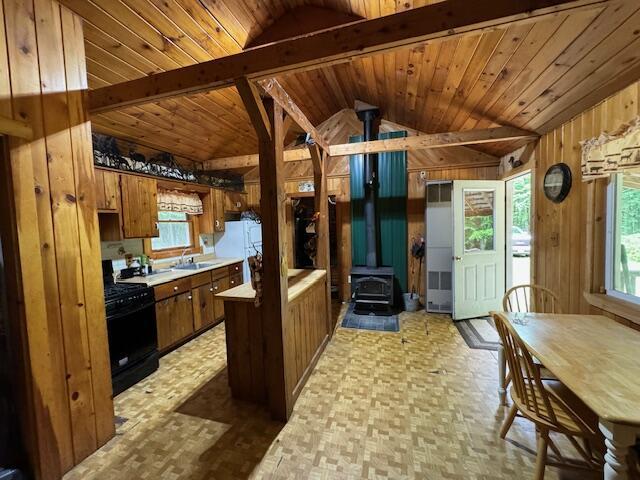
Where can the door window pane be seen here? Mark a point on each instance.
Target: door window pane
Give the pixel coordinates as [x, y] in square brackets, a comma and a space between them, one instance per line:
[626, 239]
[479, 224]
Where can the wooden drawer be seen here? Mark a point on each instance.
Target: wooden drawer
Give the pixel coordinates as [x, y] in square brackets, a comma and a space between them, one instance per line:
[200, 279]
[219, 273]
[235, 280]
[235, 268]
[176, 287]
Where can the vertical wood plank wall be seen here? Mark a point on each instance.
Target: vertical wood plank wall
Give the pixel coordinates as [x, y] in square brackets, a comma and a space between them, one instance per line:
[567, 260]
[306, 333]
[60, 304]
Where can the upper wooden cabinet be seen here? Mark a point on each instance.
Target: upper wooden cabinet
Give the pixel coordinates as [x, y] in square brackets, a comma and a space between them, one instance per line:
[235, 201]
[218, 209]
[253, 196]
[212, 218]
[139, 206]
[107, 191]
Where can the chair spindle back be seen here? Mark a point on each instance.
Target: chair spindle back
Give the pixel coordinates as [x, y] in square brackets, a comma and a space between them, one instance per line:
[531, 298]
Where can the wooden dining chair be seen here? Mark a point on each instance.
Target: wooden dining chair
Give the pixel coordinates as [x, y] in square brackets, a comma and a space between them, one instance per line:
[531, 298]
[525, 298]
[549, 405]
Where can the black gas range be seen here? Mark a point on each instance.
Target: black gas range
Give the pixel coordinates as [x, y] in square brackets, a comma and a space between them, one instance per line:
[131, 325]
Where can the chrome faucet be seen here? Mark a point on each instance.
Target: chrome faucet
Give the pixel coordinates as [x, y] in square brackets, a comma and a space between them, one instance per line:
[182, 256]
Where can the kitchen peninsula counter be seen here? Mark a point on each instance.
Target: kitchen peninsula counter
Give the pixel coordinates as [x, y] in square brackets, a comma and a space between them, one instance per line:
[300, 280]
[305, 332]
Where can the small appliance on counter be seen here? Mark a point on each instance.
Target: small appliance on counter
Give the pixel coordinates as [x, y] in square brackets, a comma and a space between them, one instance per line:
[131, 326]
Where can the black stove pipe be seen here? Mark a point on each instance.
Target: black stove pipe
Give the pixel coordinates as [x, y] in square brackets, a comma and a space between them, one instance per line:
[370, 119]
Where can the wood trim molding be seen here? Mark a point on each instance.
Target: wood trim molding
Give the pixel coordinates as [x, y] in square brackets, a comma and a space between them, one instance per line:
[627, 310]
[419, 25]
[15, 128]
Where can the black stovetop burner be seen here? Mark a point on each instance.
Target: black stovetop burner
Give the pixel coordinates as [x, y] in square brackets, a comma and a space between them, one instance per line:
[116, 290]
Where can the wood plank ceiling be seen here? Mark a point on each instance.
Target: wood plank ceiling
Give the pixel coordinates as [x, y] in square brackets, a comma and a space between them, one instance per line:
[531, 76]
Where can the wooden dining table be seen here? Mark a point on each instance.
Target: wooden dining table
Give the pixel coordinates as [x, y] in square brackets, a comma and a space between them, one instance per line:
[599, 360]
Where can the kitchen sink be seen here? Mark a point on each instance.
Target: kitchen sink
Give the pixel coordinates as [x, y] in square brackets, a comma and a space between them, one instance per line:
[159, 271]
[194, 266]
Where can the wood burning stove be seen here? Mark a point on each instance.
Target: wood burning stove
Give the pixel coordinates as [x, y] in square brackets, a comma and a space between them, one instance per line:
[372, 286]
[372, 290]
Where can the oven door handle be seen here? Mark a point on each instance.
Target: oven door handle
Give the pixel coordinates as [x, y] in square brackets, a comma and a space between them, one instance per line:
[130, 312]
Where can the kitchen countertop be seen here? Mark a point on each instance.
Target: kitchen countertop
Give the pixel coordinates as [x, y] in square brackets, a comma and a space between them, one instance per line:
[299, 281]
[160, 278]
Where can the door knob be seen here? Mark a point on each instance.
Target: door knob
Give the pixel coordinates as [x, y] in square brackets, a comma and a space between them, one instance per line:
[457, 258]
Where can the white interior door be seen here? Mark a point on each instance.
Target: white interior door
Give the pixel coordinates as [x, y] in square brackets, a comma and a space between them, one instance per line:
[478, 247]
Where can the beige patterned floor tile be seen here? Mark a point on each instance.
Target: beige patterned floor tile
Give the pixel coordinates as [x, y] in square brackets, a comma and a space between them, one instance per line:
[414, 405]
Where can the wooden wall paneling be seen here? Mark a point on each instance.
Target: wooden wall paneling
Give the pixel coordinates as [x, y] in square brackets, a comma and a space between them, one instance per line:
[580, 219]
[65, 227]
[52, 182]
[82, 154]
[55, 448]
[306, 335]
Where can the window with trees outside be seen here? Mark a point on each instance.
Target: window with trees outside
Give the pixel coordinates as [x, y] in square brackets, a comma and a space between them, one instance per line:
[623, 237]
[479, 220]
[176, 232]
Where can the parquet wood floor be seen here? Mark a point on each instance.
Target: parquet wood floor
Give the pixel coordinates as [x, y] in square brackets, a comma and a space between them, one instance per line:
[418, 404]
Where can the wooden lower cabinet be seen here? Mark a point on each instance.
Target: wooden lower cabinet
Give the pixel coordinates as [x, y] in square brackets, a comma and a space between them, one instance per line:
[188, 305]
[203, 306]
[174, 319]
[218, 305]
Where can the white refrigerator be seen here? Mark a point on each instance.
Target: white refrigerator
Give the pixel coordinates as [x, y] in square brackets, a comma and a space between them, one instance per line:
[240, 239]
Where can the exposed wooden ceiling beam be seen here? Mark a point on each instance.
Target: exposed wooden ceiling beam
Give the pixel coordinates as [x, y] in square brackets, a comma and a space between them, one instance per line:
[340, 44]
[246, 161]
[435, 140]
[415, 142]
[254, 107]
[15, 128]
[280, 95]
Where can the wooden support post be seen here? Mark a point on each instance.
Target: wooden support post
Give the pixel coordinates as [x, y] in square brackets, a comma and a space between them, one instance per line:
[323, 253]
[269, 128]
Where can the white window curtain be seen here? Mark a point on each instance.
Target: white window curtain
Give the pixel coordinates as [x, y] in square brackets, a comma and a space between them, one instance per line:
[612, 153]
[176, 201]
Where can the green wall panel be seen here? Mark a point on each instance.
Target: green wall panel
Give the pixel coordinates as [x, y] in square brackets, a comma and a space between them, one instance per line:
[392, 209]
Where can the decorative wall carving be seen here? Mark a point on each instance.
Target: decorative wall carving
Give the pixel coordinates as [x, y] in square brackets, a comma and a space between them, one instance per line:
[611, 153]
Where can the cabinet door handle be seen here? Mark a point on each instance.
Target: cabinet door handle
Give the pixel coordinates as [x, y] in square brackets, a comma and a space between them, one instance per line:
[175, 289]
[212, 289]
[189, 297]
